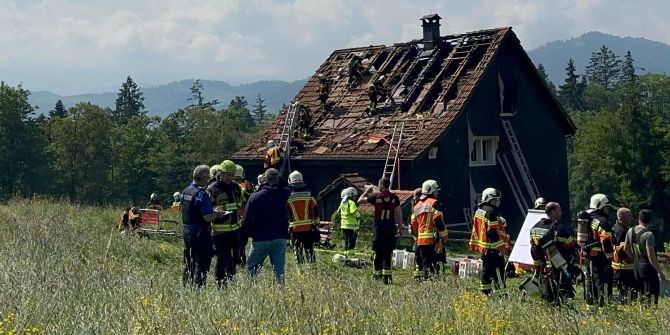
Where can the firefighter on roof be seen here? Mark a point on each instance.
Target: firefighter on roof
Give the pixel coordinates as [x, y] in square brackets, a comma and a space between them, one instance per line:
[429, 229]
[273, 156]
[490, 239]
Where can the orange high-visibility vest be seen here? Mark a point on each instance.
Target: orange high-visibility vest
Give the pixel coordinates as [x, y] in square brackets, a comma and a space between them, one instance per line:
[481, 225]
[301, 206]
[424, 215]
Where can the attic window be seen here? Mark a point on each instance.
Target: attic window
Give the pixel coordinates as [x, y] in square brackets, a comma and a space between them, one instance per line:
[483, 150]
[508, 94]
[432, 153]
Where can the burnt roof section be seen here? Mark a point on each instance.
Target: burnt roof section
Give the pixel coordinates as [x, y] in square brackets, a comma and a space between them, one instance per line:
[431, 88]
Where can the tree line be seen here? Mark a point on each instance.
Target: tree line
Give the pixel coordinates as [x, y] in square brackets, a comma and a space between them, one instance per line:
[98, 155]
[622, 144]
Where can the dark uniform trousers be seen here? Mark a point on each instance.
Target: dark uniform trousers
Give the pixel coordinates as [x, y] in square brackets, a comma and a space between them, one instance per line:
[493, 271]
[383, 243]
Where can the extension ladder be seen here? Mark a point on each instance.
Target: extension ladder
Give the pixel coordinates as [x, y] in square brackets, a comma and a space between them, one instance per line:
[391, 163]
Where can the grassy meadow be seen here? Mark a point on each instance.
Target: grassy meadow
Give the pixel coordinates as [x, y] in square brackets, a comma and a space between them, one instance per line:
[64, 269]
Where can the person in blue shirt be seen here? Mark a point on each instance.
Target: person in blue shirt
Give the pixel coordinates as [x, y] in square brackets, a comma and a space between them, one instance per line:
[197, 213]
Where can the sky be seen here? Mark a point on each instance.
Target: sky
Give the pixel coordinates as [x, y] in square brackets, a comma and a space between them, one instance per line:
[81, 46]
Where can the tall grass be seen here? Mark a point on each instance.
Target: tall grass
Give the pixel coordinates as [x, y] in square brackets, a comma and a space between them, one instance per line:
[65, 270]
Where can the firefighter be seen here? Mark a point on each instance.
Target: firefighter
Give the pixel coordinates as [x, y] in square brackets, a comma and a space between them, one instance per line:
[490, 239]
[349, 220]
[226, 196]
[601, 251]
[247, 187]
[324, 91]
[355, 67]
[260, 181]
[154, 203]
[428, 227]
[387, 224]
[176, 205]
[553, 249]
[273, 156]
[622, 264]
[304, 121]
[304, 217]
[377, 92]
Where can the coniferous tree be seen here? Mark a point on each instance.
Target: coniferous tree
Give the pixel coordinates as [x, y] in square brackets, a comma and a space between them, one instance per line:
[197, 98]
[604, 68]
[628, 69]
[570, 93]
[543, 74]
[129, 102]
[58, 111]
[260, 111]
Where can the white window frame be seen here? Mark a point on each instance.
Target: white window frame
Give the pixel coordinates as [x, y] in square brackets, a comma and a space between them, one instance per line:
[492, 149]
[432, 153]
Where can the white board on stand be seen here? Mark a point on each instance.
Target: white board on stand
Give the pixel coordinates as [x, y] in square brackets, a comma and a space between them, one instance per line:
[521, 250]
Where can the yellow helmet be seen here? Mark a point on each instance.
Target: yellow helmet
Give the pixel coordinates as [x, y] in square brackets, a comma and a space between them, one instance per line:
[228, 166]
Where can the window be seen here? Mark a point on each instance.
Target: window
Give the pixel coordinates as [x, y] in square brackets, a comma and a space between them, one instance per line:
[432, 153]
[483, 150]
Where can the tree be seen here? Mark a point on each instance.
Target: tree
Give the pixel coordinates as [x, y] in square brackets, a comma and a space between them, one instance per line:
[545, 78]
[628, 69]
[604, 68]
[197, 99]
[570, 94]
[260, 111]
[238, 102]
[58, 111]
[129, 102]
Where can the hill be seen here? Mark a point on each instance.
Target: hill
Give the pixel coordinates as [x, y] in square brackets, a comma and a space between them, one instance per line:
[648, 54]
[164, 99]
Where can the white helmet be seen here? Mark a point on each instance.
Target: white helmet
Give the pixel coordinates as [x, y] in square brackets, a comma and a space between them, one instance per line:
[295, 178]
[599, 201]
[271, 144]
[339, 258]
[176, 196]
[239, 171]
[540, 202]
[348, 192]
[153, 196]
[429, 187]
[260, 180]
[490, 194]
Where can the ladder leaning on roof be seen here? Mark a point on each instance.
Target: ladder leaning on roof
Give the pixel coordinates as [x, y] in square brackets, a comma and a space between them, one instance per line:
[391, 163]
[287, 134]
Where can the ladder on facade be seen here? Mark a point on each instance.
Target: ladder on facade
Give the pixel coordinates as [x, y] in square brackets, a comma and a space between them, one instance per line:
[508, 171]
[467, 213]
[287, 134]
[391, 163]
[521, 161]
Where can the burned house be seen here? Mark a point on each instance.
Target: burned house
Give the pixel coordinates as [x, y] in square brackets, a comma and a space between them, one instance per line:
[468, 110]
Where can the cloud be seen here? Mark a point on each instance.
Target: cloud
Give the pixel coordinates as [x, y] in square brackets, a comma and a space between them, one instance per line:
[71, 46]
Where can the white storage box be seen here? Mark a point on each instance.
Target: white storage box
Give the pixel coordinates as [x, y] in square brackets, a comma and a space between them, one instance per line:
[409, 261]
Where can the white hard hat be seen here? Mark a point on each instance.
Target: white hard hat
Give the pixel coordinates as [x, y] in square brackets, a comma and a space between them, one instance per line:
[599, 201]
[540, 202]
[429, 187]
[176, 196]
[349, 192]
[153, 195]
[260, 179]
[271, 143]
[239, 171]
[295, 178]
[490, 194]
[339, 258]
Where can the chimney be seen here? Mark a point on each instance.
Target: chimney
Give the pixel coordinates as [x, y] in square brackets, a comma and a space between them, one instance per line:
[431, 31]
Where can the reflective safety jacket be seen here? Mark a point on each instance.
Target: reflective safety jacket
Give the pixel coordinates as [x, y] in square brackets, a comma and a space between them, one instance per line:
[228, 198]
[349, 214]
[621, 260]
[272, 157]
[302, 210]
[602, 233]
[562, 237]
[427, 222]
[488, 231]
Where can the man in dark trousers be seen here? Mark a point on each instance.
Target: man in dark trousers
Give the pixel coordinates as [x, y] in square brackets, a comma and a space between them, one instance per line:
[196, 214]
[387, 224]
[266, 221]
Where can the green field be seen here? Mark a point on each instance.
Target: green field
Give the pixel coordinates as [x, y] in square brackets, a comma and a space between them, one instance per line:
[65, 269]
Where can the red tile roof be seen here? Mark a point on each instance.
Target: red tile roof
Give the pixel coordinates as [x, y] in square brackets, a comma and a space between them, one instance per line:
[431, 88]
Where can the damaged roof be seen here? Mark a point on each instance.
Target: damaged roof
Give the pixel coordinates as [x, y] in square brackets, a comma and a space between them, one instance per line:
[430, 88]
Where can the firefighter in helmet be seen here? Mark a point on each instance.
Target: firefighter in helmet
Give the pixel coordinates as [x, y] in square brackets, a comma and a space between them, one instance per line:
[304, 216]
[273, 156]
[600, 251]
[490, 239]
[429, 229]
[349, 220]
